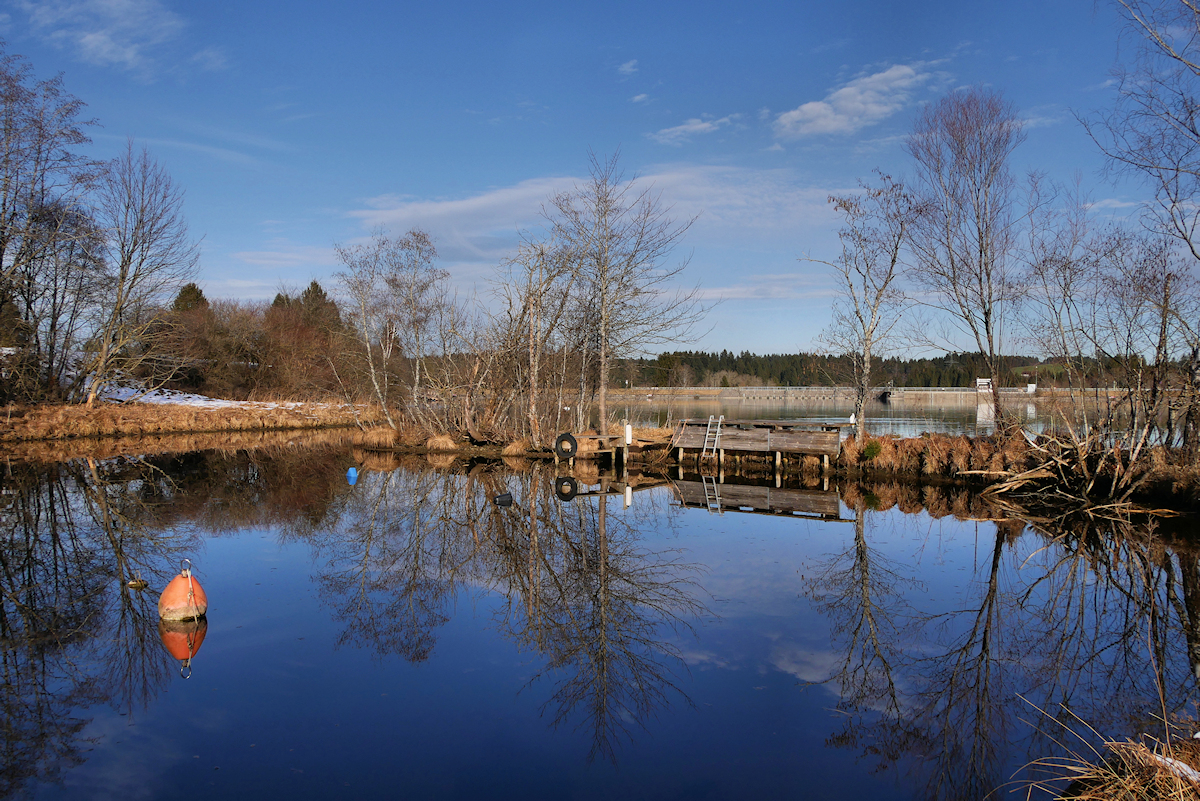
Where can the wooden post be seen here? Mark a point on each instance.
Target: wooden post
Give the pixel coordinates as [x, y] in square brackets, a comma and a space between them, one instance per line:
[679, 455]
[720, 458]
[825, 463]
[778, 460]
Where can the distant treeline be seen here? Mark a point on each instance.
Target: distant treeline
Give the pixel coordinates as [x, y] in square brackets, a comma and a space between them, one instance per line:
[701, 368]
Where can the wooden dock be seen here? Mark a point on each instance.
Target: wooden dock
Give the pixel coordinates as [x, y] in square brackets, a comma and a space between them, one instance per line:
[714, 436]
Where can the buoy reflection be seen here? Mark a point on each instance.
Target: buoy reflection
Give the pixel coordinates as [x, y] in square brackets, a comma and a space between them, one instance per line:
[182, 639]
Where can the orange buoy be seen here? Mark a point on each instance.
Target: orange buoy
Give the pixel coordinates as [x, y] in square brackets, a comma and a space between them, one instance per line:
[183, 598]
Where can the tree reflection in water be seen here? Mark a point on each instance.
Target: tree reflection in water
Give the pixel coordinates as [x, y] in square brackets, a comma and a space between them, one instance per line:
[72, 634]
[1085, 612]
[1084, 615]
[577, 585]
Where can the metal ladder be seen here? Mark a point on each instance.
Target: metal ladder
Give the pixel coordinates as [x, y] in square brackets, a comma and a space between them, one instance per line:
[712, 494]
[712, 436]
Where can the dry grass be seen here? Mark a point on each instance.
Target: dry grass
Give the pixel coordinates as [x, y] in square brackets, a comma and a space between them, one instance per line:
[960, 455]
[653, 435]
[851, 452]
[24, 424]
[937, 455]
[441, 443]
[377, 437]
[982, 451]
[1133, 771]
[909, 453]
[518, 448]
[889, 457]
[150, 444]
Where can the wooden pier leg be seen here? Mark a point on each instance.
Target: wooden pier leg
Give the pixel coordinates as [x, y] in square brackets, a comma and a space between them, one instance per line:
[720, 459]
[825, 463]
[778, 461]
[679, 455]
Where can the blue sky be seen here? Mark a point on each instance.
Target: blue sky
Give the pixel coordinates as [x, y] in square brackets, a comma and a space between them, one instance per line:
[292, 126]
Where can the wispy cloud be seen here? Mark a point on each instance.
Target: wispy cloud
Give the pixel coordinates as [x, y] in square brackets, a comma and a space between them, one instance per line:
[864, 101]
[1114, 203]
[1044, 116]
[219, 153]
[629, 67]
[679, 134]
[287, 256]
[741, 213]
[639, 98]
[211, 59]
[116, 33]
[771, 286]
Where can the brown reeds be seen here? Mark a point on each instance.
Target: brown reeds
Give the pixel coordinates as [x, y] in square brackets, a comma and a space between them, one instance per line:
[851, 452]
[377, 437]
[518, 448]
[440, 443]
[1133, 771]
[140, 419]
[960, 455]
[150, 444]
[909, 453]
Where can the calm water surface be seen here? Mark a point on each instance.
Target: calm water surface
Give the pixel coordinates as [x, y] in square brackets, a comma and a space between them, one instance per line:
[407, 637]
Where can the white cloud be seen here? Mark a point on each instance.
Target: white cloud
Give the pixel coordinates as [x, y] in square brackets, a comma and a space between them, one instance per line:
[118, 33]
[639, 98]
[628, 68]
[861, 102]
[683, 133]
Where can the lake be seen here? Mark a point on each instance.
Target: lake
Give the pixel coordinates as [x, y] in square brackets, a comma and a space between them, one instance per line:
[951, 417]
[407, 636]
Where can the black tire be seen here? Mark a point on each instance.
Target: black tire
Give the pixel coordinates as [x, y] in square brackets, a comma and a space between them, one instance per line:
[565, 487]
[566, 446]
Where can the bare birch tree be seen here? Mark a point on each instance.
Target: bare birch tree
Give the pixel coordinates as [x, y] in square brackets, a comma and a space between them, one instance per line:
[964, 239]
[148, 254]
[869, 302]
[620, 236]
[400, 311]
[535, 291]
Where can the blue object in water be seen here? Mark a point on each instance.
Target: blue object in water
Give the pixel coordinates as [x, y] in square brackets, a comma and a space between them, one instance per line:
[352, 476]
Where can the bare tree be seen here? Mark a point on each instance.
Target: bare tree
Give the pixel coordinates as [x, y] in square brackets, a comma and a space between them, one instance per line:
[869, 302]
[964, 239]
[620, 236]
[1152, 129]
[149, 255]
[403, 315]
[535, 290]
[39, 129]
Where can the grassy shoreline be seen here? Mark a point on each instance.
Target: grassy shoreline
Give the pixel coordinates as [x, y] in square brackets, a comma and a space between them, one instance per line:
[54, 433]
